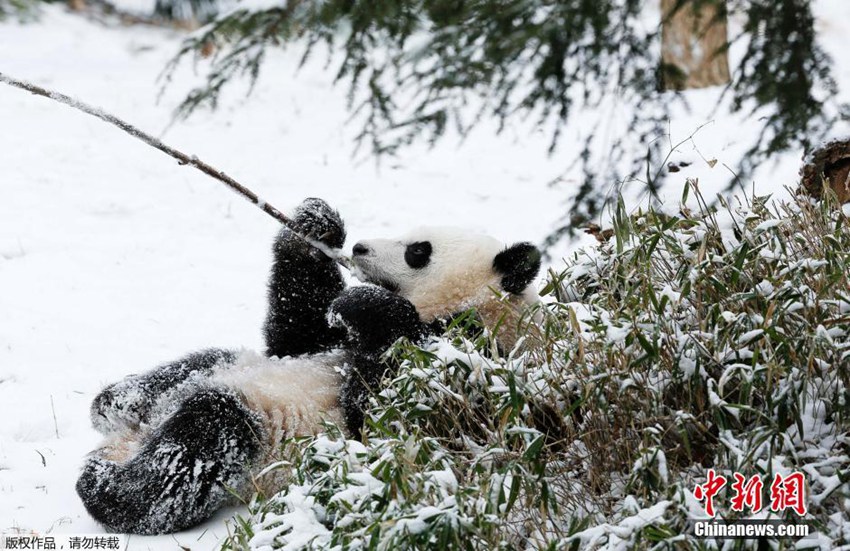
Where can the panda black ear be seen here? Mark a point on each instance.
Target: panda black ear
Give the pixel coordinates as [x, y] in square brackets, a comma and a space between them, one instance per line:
[519, 265]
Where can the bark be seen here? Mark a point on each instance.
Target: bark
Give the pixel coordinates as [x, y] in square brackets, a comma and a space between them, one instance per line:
[828, 167]
[693, 44]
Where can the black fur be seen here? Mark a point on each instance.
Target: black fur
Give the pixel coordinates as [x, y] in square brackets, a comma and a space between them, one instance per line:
[183, 469]
[374, 318]
[316, 220]
[128, 403]
[303, 283]
[519, 265]
[362, 379]
[418, 255]
[359, 249]
[179, 476]
[183, 472]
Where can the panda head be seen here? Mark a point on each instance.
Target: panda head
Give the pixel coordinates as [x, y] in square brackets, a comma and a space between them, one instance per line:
[444, 271]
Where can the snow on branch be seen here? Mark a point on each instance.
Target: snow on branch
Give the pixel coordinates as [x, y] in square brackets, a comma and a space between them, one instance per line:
[181, 157]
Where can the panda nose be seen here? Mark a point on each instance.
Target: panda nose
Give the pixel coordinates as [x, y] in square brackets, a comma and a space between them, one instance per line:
[359, 249]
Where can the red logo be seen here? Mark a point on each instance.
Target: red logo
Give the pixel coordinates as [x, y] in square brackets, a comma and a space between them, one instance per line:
[748, 494]
[786, 492]
[707, 491]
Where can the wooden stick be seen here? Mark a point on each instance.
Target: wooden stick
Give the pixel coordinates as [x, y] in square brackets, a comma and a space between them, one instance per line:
[181, 157]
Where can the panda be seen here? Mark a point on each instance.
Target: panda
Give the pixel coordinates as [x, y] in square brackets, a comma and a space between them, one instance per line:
[185, 438]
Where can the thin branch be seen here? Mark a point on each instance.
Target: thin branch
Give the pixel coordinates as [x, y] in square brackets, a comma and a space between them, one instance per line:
[55, 423]
[181, 157]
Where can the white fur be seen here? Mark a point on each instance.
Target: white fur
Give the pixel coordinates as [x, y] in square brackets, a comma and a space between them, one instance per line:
[459, 276]
[293, 395]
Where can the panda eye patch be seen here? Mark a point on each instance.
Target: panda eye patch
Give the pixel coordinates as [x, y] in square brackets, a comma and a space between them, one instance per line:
[417, 255]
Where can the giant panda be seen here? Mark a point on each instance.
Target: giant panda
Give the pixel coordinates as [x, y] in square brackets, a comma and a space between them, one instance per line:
[184, 438]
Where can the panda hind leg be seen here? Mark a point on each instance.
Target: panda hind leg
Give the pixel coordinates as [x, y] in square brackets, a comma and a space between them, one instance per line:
[182, 473]
[128, 403]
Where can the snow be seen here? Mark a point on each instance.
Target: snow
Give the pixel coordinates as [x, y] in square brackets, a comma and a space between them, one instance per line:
[301, 523]
[764, 288]
[113, 258]
[768, 224]
[362, 484]
[750, 336]
[618, 536]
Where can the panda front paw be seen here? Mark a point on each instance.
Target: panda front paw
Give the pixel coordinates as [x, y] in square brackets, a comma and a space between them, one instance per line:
[316, 220]
[121, 405]
[375, 318]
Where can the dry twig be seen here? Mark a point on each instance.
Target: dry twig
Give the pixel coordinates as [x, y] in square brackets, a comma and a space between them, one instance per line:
[181, 157]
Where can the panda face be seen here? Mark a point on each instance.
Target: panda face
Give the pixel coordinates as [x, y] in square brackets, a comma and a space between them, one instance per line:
[440, 270]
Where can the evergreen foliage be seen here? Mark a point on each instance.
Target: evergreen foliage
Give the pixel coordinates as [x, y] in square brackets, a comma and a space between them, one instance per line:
[784, 77]
[187, 10]
[713, 339]
[24, 10]
[413, 67]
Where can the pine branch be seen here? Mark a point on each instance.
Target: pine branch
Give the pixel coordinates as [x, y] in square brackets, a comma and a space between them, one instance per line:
[181, 157]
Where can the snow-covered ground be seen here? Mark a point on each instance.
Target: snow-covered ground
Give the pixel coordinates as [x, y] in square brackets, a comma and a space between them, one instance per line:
[113, 258]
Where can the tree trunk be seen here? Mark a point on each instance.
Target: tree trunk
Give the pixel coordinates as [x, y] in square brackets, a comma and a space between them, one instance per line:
[828, 167]
[693, 44]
